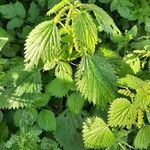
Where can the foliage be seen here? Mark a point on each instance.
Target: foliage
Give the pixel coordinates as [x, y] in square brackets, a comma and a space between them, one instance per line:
[96, 134]
[74, 74]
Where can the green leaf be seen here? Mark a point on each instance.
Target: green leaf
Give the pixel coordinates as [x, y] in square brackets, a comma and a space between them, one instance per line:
[20, 88]
[131, 82]
[140, 44]
[126, 92]
[58, 87]
[114, 5]
[96, 80]
[96, 134]
[66, 133]
[24, 138]
[43, 42]
[142, 98]
[63, 71]
[134, 62]
[25, 117]
[10, 50]
[122, 6]
[46, 120]
[122, 113]
[119, 65]
[132, 32]
[124, 11]
[43, 100]
[105, 21]
[15, 23]
[75, 103]
[84, 32]
[8, 11]
[142, 139]
[21, 12]
[33, 12]
[26, 30]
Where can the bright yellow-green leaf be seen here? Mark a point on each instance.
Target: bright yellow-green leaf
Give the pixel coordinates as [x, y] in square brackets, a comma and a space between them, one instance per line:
[96, 134]
[43, 42]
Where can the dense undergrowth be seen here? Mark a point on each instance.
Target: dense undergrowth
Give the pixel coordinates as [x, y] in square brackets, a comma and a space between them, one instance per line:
[74, 75]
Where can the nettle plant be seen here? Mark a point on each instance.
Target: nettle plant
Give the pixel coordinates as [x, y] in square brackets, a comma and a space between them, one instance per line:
[71, 35]
[67, 45]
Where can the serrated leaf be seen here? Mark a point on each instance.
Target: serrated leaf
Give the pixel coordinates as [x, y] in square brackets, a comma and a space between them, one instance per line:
[142, 139]
[119, 65]
[58, 87]
[126, 92]
[96, 134]
[25, 117]
[75, 103]
[96, 80]
[84, 32]
[47, 120]
[20, 88]
[122, 113]
[66, 133]
[27, 139]
[131, 82]
[43, 42]
[105, 21]
[63, 71]
[142, 98]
